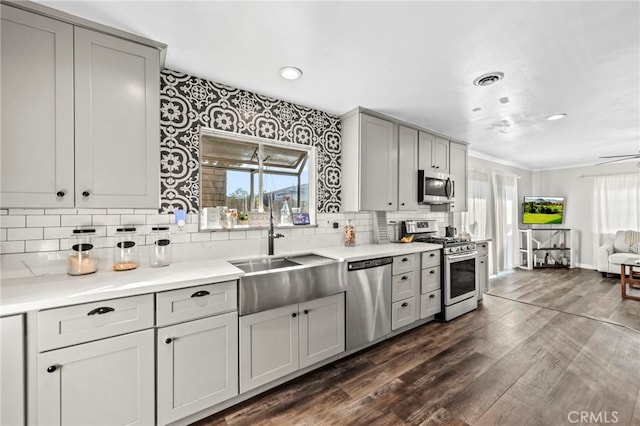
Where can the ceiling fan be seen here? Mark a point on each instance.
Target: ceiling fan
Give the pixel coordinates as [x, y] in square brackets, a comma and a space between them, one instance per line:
[615, 158]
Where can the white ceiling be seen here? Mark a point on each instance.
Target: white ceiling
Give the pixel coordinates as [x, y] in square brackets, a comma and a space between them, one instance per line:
[416, 61]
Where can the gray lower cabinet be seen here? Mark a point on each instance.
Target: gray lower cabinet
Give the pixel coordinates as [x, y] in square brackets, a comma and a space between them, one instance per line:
[95, 99]
[106, 382]
[280, 341]
[430, 286]
[405, 288]
[482, 268]
[197, 365]
[12, 371]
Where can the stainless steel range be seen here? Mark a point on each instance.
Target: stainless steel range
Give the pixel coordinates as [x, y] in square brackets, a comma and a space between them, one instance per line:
[459, 276]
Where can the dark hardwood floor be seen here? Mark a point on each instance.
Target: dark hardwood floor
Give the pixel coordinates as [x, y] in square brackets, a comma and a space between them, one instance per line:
[540, 359]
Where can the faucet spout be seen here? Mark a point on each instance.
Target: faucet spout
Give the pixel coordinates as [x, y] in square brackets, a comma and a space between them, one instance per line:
[272, 235]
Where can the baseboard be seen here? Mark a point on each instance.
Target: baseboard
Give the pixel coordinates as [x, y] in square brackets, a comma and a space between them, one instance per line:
[585, 266]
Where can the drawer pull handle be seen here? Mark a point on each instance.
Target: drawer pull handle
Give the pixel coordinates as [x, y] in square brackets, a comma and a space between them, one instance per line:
[60, 194]
[200, 293]
[404, 305]
[52, 368]
[405, 259]
[431, 296]
[432, 255]
[404, 277]
[101, 310]
[295, 314]
[168, 340]
[85, 194]
[306, 312]
[432, 271]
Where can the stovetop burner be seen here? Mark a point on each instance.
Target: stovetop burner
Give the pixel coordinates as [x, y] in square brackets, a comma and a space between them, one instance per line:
[451, 245]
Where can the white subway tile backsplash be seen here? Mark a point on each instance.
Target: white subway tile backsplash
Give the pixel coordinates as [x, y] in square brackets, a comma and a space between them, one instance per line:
[43, 220]
[220, 236]
[106, 219]
[92, 211]
[132, 219]
[12, 247]
[14, 234]
[13, 212]
[237, 235]
[197, 237]
[4, 212]
[58, 232]
[181, 238]
[119, 211]
[3, 234]
[42, 245]
[61, 211]
[77, 220]
[158, 219]
[254, 233]
[18, 221]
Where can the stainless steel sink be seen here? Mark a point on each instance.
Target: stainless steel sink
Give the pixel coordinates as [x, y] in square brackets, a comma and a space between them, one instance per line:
[273, 282]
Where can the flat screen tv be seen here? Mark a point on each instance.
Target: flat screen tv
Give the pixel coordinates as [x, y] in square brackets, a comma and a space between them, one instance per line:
[543, 210]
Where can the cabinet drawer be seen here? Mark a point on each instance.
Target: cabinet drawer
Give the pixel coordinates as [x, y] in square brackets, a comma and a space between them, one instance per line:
[430, 258]
[402, 264]
[196, 302]
[430, 280]
[403, 313]
[483, 248]
[91, 321]
[403, 286]
[430, 304]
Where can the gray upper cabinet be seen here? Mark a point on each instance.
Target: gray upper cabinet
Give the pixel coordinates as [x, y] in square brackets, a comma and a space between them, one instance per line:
[117, 88]
[407, 168]
[370, 163]
[107, 153]
[433, 153]
[37, 111]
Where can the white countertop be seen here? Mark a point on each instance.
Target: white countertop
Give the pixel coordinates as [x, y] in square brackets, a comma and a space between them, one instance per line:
[18, 295]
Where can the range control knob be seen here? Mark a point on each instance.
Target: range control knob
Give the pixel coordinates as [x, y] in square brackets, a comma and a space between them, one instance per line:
[454, 249]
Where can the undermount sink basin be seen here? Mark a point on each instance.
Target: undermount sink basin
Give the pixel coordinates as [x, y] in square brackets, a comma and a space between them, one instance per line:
[273, 282]
[265, 264]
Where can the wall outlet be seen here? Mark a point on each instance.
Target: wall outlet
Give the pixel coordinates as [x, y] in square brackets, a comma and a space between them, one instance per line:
[335, 225]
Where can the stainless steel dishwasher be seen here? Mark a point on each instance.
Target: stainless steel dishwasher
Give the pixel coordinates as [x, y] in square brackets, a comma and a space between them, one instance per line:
[368, 301]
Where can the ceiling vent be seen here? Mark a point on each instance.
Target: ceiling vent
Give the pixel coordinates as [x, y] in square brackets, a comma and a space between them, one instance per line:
[488, 78]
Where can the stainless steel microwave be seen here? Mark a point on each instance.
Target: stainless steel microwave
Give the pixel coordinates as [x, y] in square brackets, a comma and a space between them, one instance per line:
[435, 188]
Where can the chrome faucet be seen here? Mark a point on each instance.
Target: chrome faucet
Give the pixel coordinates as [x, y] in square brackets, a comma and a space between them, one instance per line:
[272, 235]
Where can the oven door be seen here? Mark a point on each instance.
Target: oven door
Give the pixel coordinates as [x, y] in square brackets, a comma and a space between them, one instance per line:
[460, 277]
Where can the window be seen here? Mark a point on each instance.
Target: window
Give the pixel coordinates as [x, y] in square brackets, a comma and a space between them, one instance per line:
[240, 174]
[616, 204]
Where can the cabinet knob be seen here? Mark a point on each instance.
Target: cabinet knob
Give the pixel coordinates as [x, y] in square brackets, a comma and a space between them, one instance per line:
[405, 259]
[200, 293]
[404, 277]
[432, 271]
[431, 296]
[402, 204]
[168, 340]
[432, 255]
[306, 312]
[60, 194]
[85, 194]
[404, 305]
[295, 314]
[390, 204]
[52, 368]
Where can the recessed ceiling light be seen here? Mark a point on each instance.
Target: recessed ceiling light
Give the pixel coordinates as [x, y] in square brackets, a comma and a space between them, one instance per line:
[290, 73]
[488, 78]
[556, 116]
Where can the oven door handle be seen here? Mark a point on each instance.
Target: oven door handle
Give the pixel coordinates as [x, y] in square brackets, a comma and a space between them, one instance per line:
[465, 256]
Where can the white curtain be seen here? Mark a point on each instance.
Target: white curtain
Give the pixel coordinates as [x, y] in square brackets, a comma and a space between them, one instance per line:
[505, 221]
[616, 205]
[475, 220]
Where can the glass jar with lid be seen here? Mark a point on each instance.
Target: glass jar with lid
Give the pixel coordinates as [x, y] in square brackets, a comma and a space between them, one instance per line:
[125, 255]
[82, 259]
[161, 246]
[349, 234]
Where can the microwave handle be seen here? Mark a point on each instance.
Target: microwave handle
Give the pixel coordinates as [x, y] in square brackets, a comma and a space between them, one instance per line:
[449, 188]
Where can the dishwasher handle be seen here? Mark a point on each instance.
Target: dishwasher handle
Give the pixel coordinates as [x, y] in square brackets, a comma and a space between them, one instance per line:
[369, 263]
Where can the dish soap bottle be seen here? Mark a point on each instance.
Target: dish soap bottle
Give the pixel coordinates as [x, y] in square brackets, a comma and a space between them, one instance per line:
[285, 213]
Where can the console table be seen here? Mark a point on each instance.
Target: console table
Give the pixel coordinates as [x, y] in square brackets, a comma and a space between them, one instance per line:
[629, 277]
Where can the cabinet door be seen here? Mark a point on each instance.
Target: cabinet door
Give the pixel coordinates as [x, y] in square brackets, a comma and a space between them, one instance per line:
[403, 313]
[12, 371]
[107, 382]
[37, 111]
[321, 329]
[378, 164]
[407, 168]
[268, 346]
[430, 303]
[117, 90]
[458, 153]
[405, 285]
[197, 365]
[440, 153]
[482, 268]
